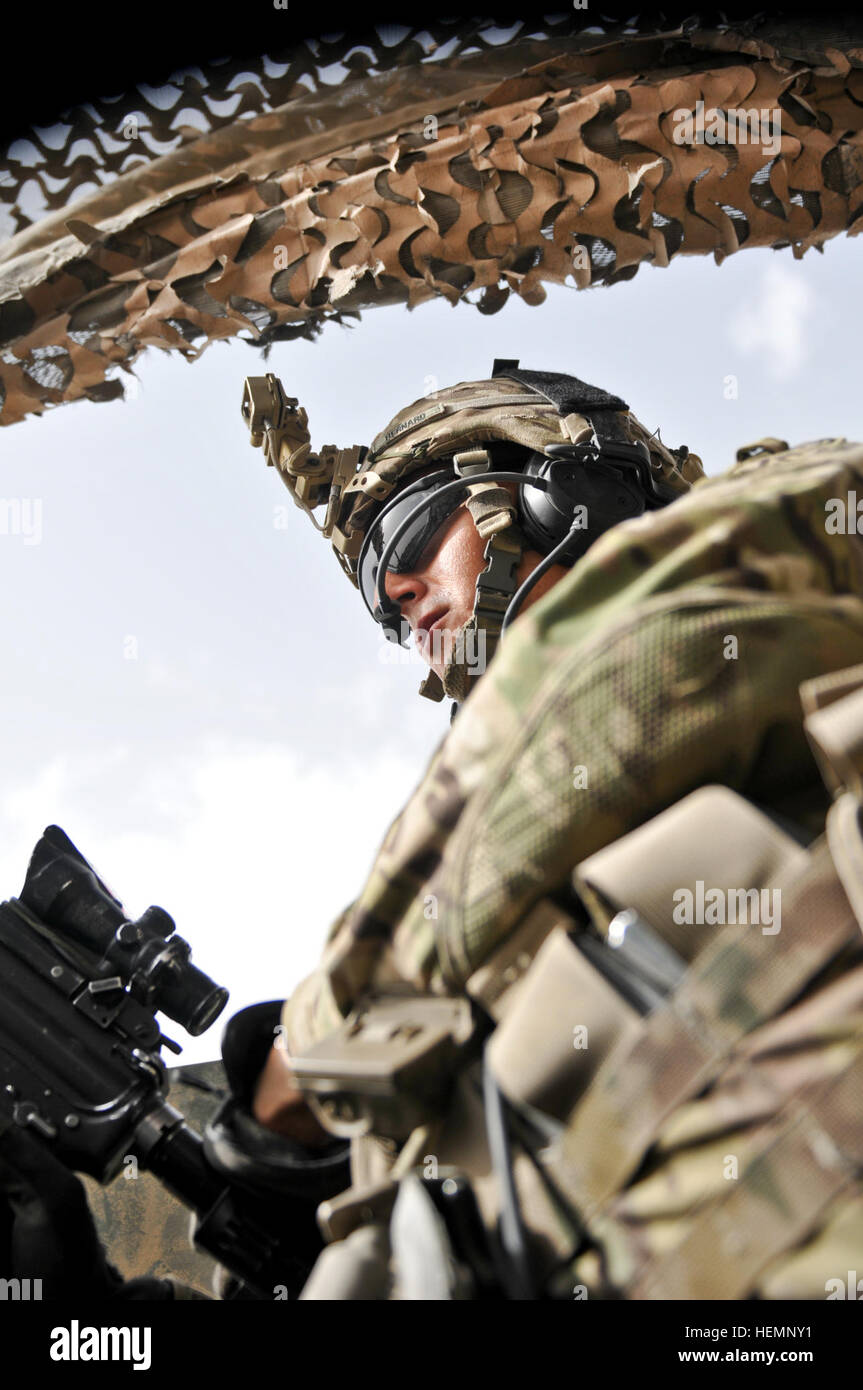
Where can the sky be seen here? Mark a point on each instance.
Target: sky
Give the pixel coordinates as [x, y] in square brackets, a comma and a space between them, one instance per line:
[193, 690]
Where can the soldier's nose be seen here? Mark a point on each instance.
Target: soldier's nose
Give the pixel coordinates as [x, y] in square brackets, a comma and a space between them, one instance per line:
[402, 588]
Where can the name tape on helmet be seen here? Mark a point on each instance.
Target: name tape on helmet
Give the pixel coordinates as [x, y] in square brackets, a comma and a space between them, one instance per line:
[382, 440]
[473, 403]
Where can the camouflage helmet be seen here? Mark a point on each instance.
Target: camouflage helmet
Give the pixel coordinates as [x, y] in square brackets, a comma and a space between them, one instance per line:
[527, 414]
[473, 413]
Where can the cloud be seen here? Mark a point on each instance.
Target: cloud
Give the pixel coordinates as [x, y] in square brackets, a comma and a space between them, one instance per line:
[775, 324]
[250, 847]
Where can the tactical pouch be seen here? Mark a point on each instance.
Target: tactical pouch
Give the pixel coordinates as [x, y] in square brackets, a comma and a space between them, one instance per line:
[742, 976]
[739, 974]
[570, 1003]
[712, 838]
[561, 1014]
[564, 1020]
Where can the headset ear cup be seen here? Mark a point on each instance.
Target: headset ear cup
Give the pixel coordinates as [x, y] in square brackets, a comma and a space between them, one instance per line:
[542, 523]
[547, 516]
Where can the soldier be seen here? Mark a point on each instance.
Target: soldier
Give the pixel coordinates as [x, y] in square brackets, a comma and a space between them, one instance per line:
[651, 1079]
[593, 1023]
[477, 554]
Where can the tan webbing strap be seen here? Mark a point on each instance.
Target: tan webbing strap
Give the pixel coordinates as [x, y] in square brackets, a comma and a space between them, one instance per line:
[776, 1202]
[834, 727]
[503, 550]
[736, 982]
[769, 445]
[432, 687]
[821, 691]
[493, 511]
[491, 507]
[846, 848]
[833, 706]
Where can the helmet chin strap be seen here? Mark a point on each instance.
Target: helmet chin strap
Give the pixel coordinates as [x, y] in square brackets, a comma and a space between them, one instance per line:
[475, 642]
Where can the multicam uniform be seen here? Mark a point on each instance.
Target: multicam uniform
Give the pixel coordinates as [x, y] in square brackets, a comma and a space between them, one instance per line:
[641, 725]
[669, 659]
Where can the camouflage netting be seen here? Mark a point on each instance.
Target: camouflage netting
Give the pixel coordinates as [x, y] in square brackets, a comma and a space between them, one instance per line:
[443, 163]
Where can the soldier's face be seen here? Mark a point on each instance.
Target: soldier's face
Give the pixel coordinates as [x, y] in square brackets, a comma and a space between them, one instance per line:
[438, 596]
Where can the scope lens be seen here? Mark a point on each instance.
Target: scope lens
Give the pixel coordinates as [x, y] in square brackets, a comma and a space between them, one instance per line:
[208, 1011]
[189, 997]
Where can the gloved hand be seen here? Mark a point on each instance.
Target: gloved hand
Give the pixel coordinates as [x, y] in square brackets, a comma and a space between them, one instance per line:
[261, 1077]
[47, 1231]
[276, 1162]
[246, 1042]
[294, 1178]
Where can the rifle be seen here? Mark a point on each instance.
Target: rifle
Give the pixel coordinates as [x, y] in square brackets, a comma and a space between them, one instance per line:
[81, 1063]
